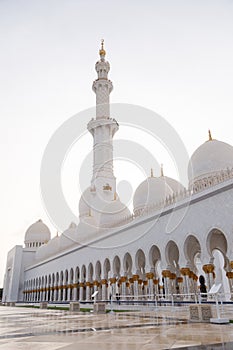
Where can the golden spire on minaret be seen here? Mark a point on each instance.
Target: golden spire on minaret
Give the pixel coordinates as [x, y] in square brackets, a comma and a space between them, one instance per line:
[161, 170]
[102, 52]
[210, 136]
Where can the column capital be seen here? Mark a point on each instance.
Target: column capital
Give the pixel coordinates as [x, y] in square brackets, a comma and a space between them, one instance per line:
[135, 277]
[180, 279]
[185, 271]
[172, 276]
[113, 280]
[123, 279]
[229, 274]
[104, 281]
[149, 275]
[166, 273]
[208, 268]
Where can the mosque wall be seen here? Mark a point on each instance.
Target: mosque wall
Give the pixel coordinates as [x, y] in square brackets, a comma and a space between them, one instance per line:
[134, 251]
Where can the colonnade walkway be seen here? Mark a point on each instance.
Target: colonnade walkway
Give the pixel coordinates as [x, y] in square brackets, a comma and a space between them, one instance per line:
[165, 327]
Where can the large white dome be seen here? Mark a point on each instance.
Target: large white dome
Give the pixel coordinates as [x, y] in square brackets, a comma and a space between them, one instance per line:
[150, 192]
[114, 213]
[209, 159]
[37, 234]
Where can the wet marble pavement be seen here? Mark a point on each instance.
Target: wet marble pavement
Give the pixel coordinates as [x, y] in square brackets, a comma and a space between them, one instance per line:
[25, 328]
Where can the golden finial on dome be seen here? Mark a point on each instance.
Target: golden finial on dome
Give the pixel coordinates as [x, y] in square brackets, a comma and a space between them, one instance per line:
[151, 173]
[210, 136]
[161, 170]
[102, 52]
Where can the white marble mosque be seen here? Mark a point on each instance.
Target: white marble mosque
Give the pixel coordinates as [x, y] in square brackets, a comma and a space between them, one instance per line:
[112, 250]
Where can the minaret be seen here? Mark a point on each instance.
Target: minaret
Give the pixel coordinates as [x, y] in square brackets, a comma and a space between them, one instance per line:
[103, 129]
[102, 86]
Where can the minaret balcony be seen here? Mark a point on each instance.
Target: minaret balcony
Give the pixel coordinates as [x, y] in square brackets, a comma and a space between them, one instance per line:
[96, 123]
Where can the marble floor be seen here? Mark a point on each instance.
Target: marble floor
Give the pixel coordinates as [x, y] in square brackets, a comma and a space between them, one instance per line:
[163, 328]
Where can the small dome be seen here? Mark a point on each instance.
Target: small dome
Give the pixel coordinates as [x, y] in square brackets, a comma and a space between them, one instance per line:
[150, 192]
[209, 159]
[67, 238]
[49, 249]
[85, 230]
[114, 213]
[37, 234]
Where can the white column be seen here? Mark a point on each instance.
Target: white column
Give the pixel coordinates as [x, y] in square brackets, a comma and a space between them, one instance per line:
[135, 286]
[59, 292]
[68, 293]
[81, 286]
[209, 271]
[75, 291]
[123, 286]
[166, 274]
[150, 277]
[113, 286]
[104, 284]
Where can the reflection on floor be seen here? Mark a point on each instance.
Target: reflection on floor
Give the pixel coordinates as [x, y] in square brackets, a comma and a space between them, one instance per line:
[163, 328]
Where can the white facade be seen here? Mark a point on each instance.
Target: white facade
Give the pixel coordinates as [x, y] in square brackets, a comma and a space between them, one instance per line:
[170, 239]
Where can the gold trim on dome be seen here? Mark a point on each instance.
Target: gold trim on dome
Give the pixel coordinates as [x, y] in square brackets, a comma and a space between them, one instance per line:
[102, 52]
[161, 170]
[107, 187]
[210, 136]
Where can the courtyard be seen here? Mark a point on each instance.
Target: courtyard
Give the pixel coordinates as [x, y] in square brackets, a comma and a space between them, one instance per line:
[162, 328]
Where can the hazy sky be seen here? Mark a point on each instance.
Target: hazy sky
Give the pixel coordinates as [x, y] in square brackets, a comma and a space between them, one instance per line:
[174, 57]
